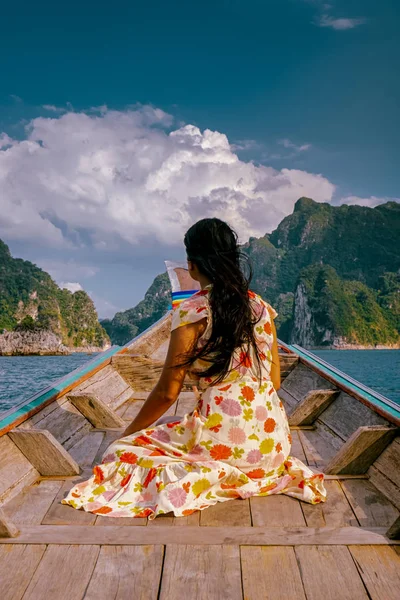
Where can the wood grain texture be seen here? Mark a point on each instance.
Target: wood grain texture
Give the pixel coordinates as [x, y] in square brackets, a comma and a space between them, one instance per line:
[17, 566]
[103, 521]
[227, 514]
[7, 528]
[347, 414]
[63, 573]
[276, 510]
[380, 571]
[62, 514]
[329, 573]
[85, 450]
[253, 536]
[201, 572]
[297, 449]
[95, 411]
[334, 512]
[385, 485]
[388, 463]
[64, 423]
[14, 467]
[393, 532]
[370, 506]
[107, 385]
[361, 449]
[314, 403]
[45, 453]
[320, 445]
[124, 572]
[271, 573]
[32, 504]
[303, 380]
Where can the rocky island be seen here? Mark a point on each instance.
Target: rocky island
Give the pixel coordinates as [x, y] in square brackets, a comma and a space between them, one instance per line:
[37, 317]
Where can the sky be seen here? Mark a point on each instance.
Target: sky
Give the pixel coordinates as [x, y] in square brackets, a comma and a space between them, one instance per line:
[123, 124]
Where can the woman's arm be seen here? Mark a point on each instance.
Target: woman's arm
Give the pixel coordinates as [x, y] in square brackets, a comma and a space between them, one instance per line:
[167, 390]
[275, 366]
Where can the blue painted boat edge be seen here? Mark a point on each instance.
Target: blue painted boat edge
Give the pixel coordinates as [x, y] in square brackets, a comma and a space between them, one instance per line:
[34, 402]
[17, 413]
[374, 399]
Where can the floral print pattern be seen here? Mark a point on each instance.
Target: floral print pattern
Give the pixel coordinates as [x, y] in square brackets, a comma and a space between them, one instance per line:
[235, 444]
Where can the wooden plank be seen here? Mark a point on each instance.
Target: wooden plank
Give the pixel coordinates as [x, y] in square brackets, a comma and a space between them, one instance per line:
[370, 506]
[394, 530]
[85, 451]
[361, 449]
[166, 520]
[63, 423]
[201, 572]
[320, 445]
[260, 566]
[347, 414]
[297, 449]
[17, 566]
[62, 514]
[7, 527]
[31, 505]
[380, 571]
[95, 411]
[63, 573]
[44, 452]
[192, 520]
[314, 403]
[132, 409]
[329, 573]
[289, 401]
[334, 512]
[124, 572]
[388, 462]
[385, 485]
[276, 510]
[303, 380]
[108, 386]
[14, 467]
[253, 536]
[109, 438]
[234, 513]
[103, 521]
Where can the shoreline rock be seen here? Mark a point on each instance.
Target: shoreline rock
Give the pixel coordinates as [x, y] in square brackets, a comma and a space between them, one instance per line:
[40, 343]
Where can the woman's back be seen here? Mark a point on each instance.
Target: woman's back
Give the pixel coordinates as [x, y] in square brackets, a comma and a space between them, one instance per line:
[243, 361]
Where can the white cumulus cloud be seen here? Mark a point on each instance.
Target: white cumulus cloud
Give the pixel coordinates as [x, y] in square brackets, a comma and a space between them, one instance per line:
[91, 179]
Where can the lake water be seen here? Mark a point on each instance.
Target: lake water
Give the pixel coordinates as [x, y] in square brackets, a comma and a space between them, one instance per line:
[23, 376]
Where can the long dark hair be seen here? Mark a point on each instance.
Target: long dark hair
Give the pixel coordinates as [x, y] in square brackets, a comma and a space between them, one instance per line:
[213, 246]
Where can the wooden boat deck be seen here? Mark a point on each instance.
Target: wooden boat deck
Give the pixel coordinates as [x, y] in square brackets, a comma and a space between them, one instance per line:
[269, 547]
[273, 547]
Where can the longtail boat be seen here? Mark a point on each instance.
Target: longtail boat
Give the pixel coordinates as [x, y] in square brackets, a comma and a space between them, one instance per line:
[263, 547]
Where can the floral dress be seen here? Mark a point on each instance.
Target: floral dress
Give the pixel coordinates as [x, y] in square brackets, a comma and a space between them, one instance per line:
[235, 444]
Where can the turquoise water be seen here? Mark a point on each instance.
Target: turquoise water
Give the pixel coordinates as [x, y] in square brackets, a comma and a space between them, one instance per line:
[23, 376]
[378, 369]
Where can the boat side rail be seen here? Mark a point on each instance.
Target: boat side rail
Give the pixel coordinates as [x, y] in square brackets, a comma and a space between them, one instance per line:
[384, 406]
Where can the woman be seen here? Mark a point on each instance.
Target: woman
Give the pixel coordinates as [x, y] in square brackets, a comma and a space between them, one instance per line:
[236, 443]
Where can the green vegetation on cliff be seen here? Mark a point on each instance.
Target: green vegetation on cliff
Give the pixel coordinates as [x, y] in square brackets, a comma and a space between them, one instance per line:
[341, 263]
[126, 325]
[30, 299]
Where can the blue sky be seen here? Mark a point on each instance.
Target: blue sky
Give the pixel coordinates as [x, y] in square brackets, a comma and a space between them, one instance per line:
[301, 86]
